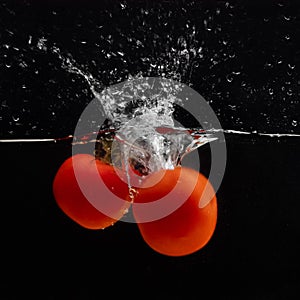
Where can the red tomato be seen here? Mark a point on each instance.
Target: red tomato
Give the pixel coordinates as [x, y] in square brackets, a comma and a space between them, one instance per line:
[80, 204]
[186, 229]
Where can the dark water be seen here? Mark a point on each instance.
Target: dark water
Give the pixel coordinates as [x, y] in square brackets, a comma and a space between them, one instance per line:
[243, 57]
[254, 253]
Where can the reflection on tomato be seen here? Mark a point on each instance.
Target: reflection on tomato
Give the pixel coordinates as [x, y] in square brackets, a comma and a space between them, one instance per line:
[188, 228]
[72, 201]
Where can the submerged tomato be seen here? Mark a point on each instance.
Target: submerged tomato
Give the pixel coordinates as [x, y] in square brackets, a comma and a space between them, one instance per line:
[185, 229]
[175, 226]
[72, 200]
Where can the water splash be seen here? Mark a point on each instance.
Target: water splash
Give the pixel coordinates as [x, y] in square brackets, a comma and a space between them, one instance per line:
[139, 99]
[136, 98]
[70, 65]
[194, 133]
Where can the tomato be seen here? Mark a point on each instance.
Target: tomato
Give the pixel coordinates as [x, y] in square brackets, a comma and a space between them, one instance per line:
[85, 198]
[186, 229]
[175, 225]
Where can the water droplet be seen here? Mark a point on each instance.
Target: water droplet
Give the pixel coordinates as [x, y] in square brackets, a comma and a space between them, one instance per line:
[10, 32]
[271, 91]
[287, 37]
[206, 25]
[229, 77]
[16, 119]
[23, 64]
[294, 123]
[287, 18]
[289, 92]
[182, 42]
[291, 66]
[41, 44]
[268, 65]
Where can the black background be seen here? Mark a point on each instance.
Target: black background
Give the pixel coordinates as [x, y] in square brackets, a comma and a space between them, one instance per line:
[254, 253]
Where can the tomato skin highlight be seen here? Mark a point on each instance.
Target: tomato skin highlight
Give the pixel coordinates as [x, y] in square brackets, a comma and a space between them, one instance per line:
[188, 228]
[73, 202]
